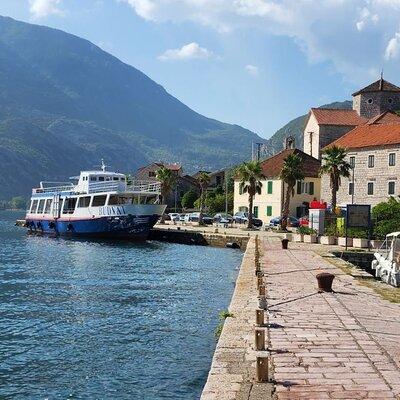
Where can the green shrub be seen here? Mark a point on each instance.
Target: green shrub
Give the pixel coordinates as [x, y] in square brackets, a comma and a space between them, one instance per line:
[386, 217]
[305, 230]
[188, 199]
[223, 315]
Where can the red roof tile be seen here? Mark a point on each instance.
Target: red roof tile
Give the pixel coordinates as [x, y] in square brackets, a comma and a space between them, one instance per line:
[370, 136]
[388, 117]
[272, 166]
[328, 116]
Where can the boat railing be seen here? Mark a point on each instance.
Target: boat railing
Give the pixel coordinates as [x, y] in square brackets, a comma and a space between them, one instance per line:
[51, 187]
[145, 187]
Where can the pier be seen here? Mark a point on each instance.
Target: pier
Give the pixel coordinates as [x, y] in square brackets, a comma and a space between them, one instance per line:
[338, 345]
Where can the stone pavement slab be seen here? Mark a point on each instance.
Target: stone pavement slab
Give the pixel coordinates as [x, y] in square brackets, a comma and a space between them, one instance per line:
[341, 345]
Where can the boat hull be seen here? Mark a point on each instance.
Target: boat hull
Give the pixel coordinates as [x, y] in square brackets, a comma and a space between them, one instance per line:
[112, 227]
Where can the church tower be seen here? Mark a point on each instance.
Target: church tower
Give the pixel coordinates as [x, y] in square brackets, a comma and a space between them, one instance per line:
[376, 98]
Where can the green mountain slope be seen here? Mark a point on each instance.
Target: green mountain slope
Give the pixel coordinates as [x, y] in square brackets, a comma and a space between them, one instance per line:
[65, 103]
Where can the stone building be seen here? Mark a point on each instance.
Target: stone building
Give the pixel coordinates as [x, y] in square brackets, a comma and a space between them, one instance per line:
[269, 203]
[323, 126]
[373, 149]
[183, 184]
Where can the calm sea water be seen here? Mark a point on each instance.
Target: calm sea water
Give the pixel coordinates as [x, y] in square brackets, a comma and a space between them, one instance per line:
[107, 320]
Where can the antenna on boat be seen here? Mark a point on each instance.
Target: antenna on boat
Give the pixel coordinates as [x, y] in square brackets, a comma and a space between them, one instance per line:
[103, 166]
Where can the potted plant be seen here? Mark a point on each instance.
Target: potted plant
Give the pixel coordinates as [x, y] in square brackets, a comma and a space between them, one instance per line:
[309, 235]
[330, 235]
[298, 236]
[359, 236]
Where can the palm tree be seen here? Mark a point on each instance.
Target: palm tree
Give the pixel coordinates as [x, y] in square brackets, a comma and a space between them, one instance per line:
[250, 175]
[167, 180]
[335, 165]
[203, 181]
[292, 171]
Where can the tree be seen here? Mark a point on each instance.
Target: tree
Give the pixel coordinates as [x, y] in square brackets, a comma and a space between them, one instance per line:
[386, 217]
[335, 165]
[250, 176]
[167, 179]
[189, 198]
[292, 171]
[18, 203]
[203, 180]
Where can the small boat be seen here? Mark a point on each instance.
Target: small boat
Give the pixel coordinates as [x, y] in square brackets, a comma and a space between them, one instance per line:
[99, 204]
[387, 260]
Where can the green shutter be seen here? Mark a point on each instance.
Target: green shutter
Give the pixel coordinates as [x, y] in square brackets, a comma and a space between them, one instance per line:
[255, 211]
[269, 211]
[311, 188]
[298, 187]
[269, 187]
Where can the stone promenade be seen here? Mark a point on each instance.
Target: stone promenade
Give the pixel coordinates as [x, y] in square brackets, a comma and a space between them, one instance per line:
[341, 345]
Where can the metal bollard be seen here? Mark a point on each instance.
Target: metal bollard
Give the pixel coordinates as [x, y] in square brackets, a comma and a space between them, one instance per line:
[259, 317]
[262, 369]
[261, 290]
[260, 339]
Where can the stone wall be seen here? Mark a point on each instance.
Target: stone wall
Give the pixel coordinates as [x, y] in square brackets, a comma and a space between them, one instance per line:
[369, 105]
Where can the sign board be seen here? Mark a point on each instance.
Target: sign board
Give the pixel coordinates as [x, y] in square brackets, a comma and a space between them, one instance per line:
[358, 216]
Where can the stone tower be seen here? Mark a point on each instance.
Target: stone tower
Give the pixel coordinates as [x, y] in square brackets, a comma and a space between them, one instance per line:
[376, 98]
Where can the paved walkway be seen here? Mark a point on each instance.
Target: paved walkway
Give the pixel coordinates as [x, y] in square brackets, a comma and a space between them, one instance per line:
[342, 345]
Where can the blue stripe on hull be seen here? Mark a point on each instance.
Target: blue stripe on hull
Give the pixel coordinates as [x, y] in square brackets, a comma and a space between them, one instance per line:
[107, 227]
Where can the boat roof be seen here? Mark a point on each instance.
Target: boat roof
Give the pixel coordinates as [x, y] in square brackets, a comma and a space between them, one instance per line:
[394, 234]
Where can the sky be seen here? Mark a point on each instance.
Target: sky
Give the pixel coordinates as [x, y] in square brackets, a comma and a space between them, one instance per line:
[255, 63]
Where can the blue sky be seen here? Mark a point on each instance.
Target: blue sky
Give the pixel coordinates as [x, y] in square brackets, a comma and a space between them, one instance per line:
[255, 63]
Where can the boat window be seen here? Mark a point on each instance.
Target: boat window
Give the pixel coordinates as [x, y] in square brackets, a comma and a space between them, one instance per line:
[123, 179]
[101, 178]
[41, 206]
[99, 201]
[115, 178]
[93, 178]
[34, 206]
[84, 202]
[48, 206]
[119, 200]
[69, 205]
[108, 178]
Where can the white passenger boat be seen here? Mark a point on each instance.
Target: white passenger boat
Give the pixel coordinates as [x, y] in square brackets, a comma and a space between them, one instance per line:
[99, 204]
[387, 260]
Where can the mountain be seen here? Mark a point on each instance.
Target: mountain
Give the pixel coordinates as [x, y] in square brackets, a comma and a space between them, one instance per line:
[296, 126]
[65, 104]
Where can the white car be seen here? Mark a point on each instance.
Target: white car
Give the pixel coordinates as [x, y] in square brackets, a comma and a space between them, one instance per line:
[174, 217]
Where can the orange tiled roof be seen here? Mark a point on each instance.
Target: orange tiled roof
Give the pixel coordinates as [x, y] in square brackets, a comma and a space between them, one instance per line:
[329, 116]
[370, 135]
[388, 117]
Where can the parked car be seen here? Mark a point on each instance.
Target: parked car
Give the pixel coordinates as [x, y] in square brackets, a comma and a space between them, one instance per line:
[277, 221]
[223, 218]
[192, 217]
[242, 217]
[174, 217]
[207, 219]
[182, 217]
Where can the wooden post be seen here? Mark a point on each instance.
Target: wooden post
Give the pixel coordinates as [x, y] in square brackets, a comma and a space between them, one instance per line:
[259, 317]
[260, 339]
[260, 282]
[262, 369]
[261, 290]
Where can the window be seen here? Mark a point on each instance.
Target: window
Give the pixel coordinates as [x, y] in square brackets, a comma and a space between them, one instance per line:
[351, 188]
[255, 211]
[123, 179]
[243, 209]
[99, 201]
[240, 189]
[391, 188]
[392, 159]
[93, 178]
[311, 188]
[305, 187]
[371, 161]
[152, 174]
[390, 100]
[370, 101]
[69, 205]
[352, 161]
[34, 206]
[115, 178]
[41, 206]
[101, 178]
[269, 187]
[84, 202]
[48, 206]
[370, 188]
[269, 211]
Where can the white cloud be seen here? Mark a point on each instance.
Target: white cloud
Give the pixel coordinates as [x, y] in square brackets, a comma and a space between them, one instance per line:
[43, 8]
[393, 47]
[251, 69]
[328, 30]
[186, 52]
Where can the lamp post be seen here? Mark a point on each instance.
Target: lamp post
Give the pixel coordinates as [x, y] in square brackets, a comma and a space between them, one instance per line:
[352, 182]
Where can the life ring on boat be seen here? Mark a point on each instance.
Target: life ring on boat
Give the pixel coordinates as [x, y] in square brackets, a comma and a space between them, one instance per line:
[70, 227]
[52, 225]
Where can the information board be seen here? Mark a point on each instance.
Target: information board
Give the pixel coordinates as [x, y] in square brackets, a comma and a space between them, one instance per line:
[358, 216]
